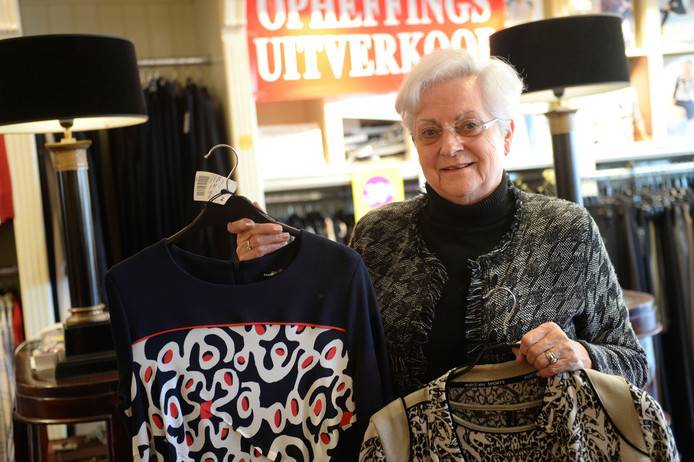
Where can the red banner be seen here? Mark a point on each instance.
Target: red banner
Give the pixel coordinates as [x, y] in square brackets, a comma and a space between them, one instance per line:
[315, 48]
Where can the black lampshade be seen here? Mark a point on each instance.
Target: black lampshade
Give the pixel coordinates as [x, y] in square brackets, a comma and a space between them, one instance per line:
[91, 79]
[582, 55]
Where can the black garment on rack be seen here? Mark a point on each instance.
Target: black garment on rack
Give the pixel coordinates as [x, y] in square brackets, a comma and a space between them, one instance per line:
[622, 228]
[679, 361]
[172, 124]
[202, 127]
[156, 163]
[107, 196]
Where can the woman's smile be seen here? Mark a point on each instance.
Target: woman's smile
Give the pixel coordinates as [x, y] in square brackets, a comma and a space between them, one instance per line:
[457, 167]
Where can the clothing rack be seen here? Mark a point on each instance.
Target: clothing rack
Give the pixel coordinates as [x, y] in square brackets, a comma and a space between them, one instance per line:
[182, 61]
[626, 173]
[646, 229]
[308, 196]
[8, 278]
[332, 193]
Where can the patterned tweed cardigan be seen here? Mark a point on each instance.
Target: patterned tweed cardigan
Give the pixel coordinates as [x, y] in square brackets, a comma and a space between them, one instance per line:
[553, 260]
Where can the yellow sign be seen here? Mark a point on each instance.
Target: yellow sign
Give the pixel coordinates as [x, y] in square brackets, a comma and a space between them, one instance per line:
[374, 187]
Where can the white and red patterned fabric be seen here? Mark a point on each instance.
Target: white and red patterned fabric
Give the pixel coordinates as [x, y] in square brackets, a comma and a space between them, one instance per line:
[287, 367]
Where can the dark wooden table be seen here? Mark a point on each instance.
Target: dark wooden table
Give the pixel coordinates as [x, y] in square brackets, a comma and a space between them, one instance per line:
[644, 321]
[41, 401]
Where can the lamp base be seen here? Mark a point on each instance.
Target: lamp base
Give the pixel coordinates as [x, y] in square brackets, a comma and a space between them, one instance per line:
[88, 337]
[88, 348]
[566, 172]
[87, 315]
[91, 363]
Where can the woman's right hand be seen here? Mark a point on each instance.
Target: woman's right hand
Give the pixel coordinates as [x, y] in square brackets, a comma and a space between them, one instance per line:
[253, 240]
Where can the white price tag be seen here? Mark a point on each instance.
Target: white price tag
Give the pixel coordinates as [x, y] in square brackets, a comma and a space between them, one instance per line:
[209, 184]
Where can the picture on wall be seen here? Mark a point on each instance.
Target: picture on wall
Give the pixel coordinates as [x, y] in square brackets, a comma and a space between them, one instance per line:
[679, 91]
[611, 119]
[622, 8]
[625, 10]
[677, 24]
[521, 11]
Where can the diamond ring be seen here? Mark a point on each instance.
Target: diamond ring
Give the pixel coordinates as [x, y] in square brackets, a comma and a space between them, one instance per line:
[551, 357]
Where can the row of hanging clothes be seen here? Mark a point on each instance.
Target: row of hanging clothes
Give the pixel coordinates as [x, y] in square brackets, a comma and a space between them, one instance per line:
[11, 318]
[11, 335]
[647, 225]
[145, 173]
[336, 226]
[142, 176]
[328, 212]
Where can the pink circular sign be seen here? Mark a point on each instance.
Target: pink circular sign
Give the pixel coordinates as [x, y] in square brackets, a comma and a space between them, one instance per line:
[378, 191]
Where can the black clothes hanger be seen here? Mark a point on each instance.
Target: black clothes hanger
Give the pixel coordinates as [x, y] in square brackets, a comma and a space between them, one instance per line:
[490, 344]
[235, 208]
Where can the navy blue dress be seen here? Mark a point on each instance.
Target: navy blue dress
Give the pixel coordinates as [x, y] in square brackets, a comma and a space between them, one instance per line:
[282, 357]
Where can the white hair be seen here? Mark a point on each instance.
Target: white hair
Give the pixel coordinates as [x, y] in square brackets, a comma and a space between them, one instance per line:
[500, 84]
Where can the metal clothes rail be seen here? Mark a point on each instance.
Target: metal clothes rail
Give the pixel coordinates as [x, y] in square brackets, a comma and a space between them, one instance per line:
[181, 61]
[626, 173]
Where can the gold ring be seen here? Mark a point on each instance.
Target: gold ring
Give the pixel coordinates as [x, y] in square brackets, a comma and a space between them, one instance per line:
[248, 244]
[551, 357]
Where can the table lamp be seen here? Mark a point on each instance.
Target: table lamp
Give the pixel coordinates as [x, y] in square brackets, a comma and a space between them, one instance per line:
[563, 58]
[60, 83]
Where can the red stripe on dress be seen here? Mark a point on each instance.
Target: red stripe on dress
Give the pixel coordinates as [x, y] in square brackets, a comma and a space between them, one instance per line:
[241, 324]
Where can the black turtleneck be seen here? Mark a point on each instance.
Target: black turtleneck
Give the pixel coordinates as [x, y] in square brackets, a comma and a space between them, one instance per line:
[455, 234]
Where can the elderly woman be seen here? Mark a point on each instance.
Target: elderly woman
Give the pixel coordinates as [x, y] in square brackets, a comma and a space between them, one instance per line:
[447, 265]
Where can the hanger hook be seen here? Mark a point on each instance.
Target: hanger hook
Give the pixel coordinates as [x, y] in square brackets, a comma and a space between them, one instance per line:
[496, 289]
[236, 156]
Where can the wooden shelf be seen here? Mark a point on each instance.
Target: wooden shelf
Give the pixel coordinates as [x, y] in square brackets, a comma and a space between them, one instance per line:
[684, 50]
[336, 176]
[644, 150]
[342, 176]
[9, 272]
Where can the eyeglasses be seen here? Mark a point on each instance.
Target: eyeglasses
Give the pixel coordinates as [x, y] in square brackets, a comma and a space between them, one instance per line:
[468, 128]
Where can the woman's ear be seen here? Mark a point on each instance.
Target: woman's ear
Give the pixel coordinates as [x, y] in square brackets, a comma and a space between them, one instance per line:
[508, 137]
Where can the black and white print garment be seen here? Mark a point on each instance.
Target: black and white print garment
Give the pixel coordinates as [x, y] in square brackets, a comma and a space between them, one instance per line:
[562, 420]
[213, 387]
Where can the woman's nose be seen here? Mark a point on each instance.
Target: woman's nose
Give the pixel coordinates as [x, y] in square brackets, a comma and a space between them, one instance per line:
[451, 142]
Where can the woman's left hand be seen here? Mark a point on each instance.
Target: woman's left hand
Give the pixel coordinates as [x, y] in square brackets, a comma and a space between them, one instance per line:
[548, 349]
